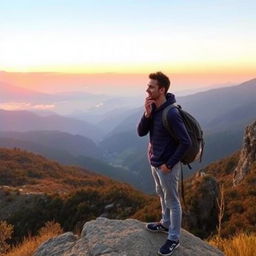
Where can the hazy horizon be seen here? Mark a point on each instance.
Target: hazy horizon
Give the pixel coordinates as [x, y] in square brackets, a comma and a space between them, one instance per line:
[108, 48]
[72, 100]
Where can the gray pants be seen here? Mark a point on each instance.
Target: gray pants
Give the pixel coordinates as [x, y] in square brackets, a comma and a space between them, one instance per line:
[167, 188]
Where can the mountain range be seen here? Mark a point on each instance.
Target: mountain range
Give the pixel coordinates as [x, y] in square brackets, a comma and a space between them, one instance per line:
[111, 141]
[67, 149]
[223, 114]
[210, 107]
[75, 145]
[28, 121]
[75, 104]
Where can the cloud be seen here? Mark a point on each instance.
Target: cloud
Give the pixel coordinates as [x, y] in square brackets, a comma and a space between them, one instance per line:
[25, 106]
[99, 105]
[44, 107]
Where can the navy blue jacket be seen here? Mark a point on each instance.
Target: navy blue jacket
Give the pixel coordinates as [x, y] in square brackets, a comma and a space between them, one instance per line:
[162, 148]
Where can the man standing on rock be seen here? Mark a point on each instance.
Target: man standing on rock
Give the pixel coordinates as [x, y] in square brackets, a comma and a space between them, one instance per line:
[164, 155]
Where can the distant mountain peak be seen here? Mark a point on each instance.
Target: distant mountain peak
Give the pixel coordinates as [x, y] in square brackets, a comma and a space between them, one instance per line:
[249, 82]
[9, 88]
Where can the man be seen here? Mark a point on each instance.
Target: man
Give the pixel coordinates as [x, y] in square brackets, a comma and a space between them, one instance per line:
[164, 155]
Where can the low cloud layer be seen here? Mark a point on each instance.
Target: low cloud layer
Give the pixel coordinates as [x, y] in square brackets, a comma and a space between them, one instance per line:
[25, 106]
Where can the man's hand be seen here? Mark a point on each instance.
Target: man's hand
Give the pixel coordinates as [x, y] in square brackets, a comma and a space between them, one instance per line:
[148, 106]
[165, 169]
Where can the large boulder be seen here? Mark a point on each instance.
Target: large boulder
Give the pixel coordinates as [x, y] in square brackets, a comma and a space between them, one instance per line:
[201, 215]
[120, 238]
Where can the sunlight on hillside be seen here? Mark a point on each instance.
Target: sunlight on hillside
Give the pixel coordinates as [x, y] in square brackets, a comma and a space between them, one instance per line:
[30, 244]
[240, 245]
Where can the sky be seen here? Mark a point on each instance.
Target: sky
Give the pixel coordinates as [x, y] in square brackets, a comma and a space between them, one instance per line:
[212, 40]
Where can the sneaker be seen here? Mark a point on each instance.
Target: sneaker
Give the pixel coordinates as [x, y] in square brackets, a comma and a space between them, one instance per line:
[168, 248]
[156, 227]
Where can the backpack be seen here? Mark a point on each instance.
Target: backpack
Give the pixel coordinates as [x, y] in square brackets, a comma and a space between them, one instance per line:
[194, 130]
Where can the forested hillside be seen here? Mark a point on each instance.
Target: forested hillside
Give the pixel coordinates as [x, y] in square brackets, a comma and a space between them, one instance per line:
[34, 190]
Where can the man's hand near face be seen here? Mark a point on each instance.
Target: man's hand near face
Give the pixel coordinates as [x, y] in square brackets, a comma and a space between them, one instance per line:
[148, 106]
[165, 169]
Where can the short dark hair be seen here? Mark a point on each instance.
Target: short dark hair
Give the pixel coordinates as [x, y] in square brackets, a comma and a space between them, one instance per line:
[162, 80]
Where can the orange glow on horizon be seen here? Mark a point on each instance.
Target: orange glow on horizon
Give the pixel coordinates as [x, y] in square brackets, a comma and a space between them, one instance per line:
[51, 82]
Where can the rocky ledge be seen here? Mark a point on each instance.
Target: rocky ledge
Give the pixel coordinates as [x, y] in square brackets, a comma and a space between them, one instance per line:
[120, 238]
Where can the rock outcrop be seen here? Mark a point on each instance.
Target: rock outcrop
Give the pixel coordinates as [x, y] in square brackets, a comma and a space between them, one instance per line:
[201, 193]
[248, 154]
[120, 238]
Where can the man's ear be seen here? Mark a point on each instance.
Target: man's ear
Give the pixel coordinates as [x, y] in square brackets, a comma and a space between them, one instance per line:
[162, 90]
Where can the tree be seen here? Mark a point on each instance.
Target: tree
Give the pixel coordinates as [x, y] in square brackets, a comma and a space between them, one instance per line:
[221, 208]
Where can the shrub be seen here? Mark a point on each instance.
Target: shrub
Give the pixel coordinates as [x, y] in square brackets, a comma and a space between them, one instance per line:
[5, 234]
[30, 244]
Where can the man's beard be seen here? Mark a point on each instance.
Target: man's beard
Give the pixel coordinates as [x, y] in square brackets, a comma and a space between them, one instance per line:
[155, 97]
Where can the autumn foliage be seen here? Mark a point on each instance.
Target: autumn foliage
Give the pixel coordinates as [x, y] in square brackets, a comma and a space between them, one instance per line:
[239, 214]
[35, 190]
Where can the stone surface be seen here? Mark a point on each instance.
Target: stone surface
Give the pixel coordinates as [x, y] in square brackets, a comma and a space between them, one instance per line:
[120, 238]
[58, 245]
[247, 155]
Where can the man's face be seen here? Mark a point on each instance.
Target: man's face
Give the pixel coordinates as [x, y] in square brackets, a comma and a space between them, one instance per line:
[153, 90]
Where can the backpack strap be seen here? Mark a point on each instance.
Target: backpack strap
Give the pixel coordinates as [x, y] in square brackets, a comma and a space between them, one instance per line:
[202, 151]
[185, 210]
[165, 120]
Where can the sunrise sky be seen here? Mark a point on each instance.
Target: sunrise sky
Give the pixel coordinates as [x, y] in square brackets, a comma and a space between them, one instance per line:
[207, 39]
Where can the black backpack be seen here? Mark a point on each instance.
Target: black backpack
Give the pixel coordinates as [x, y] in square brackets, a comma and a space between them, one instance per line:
[195, 132]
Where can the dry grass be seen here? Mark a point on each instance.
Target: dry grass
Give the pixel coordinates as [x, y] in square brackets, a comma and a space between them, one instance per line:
[30, 244]
[239, 245]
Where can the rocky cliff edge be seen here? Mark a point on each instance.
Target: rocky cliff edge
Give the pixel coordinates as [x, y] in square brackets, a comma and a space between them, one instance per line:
[247, 155]
[120, 238]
